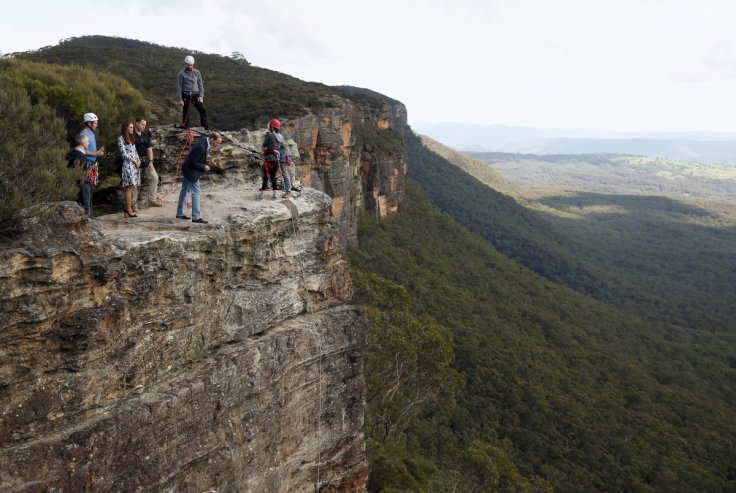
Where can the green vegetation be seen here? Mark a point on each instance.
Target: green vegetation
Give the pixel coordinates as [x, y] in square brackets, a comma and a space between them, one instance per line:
[480, 170]
[583, 343]
[33, 166]
[73, 91]
[58, 96]
[237, 94]
[614, 174]
[560, 392]
[654, 257]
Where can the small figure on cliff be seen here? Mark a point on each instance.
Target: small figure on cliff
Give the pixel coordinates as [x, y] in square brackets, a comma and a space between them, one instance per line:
[194, 166]
[90, 125]
[275, 159]
[131, 163]
[190, 90]
[81, 163]
[145, 153]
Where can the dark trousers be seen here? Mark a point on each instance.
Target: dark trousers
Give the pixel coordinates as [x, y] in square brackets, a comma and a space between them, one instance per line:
[188, 101]
[269, 171]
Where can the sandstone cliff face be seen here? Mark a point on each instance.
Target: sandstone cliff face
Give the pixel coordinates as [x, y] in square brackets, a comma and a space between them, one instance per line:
[353, 153]
[158, 355]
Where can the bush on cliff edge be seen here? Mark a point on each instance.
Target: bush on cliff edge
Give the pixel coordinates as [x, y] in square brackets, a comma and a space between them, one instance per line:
[32, 146]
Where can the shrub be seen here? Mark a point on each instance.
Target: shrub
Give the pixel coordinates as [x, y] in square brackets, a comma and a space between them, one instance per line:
[33, 148]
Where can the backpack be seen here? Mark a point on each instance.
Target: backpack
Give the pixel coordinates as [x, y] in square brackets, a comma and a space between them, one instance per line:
[70, 160]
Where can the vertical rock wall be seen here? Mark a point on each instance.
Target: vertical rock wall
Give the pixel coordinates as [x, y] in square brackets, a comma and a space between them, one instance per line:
[170, 357]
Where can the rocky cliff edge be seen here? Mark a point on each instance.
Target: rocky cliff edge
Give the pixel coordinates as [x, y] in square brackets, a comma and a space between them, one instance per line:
[153, 354]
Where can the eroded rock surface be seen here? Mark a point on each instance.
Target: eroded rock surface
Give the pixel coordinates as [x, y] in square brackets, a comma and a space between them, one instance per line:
[154, 354]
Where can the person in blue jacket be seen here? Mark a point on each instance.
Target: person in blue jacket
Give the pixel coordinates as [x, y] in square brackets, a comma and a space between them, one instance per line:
[194, 167]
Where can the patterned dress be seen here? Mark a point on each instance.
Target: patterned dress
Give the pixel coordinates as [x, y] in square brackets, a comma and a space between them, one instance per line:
[131, 177]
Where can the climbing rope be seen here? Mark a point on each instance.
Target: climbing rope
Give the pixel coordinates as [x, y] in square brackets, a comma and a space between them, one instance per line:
[188, 146]
[318, 339]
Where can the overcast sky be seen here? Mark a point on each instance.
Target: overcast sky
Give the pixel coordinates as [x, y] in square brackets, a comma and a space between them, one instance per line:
[622, 65]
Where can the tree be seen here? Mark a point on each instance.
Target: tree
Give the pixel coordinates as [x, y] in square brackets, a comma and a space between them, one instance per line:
[32, 146]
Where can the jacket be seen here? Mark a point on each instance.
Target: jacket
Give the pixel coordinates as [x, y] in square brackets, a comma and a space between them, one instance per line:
[196, 160]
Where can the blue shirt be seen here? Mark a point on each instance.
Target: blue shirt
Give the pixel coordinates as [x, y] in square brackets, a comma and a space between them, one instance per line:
[92, 143]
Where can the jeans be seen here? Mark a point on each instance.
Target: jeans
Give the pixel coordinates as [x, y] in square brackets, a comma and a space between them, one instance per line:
[85, 197]
[193, 188]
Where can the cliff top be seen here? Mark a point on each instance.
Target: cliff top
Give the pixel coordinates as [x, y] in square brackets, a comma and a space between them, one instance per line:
[222, 203]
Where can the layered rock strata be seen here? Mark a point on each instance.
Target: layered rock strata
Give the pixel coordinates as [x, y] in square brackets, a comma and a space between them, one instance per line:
[160, 355]
[352, 152]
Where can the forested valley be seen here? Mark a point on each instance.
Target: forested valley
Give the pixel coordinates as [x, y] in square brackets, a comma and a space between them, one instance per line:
[578, 355]
[568, 341]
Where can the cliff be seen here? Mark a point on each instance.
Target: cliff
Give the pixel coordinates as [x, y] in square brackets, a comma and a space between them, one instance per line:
[158, 355]
[353, 152]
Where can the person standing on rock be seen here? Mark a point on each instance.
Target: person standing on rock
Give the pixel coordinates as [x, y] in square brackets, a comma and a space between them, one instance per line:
[194, 166]
[145, 153]
[190, 90]
[90, 125]
[81, 163]
[131, 163]
[275, 155]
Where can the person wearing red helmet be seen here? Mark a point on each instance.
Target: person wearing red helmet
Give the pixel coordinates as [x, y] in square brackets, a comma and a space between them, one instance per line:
[274, 152]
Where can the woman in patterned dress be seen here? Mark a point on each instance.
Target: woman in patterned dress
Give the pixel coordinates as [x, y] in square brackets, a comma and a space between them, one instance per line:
[131, 163]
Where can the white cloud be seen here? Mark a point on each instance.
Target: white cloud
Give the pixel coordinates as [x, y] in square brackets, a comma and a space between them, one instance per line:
[605, 64]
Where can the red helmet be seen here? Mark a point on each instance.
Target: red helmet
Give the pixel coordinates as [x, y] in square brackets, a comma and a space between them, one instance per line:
[274, 123]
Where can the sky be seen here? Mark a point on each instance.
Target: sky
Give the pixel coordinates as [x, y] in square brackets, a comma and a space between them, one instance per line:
[604, 65]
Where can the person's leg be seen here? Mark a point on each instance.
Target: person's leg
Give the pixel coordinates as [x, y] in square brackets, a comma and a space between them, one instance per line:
[202, 113]
[134, 199]
[195, 190]
[152, 184]
[286, 177]
[274, 182]
[185, 112]
[182, 197]
[128, 198]
[85, 190]
[264, 174]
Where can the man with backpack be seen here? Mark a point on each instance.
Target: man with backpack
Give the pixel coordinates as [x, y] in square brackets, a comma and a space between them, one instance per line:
[275, 159]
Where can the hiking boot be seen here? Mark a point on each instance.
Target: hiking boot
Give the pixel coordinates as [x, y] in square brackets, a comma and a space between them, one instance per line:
[200, 221]
[155, 203]
[259, 196]
[287, 195]
[183, 216]
[274, 198]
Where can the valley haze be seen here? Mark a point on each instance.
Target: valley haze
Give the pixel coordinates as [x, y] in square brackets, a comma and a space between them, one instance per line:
[703, 147]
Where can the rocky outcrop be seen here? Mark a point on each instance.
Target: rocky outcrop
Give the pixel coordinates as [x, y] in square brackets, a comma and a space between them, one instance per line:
[352, 152]
[160, 355]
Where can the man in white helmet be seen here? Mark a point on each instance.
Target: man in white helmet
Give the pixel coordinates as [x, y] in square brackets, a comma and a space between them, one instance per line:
[90, 125]
[190, 90]
[91, 153]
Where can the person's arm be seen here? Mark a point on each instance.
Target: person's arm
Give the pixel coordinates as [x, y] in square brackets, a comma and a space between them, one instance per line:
[149, 155]
[178, 88]
[200, 81]
[197, 158]
[127, 152]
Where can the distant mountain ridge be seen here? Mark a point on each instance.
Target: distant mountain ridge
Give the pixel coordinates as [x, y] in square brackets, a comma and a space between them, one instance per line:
[705, 147]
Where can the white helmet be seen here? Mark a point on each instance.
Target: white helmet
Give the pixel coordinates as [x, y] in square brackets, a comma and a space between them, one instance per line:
[189, 60]
[90, 117]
